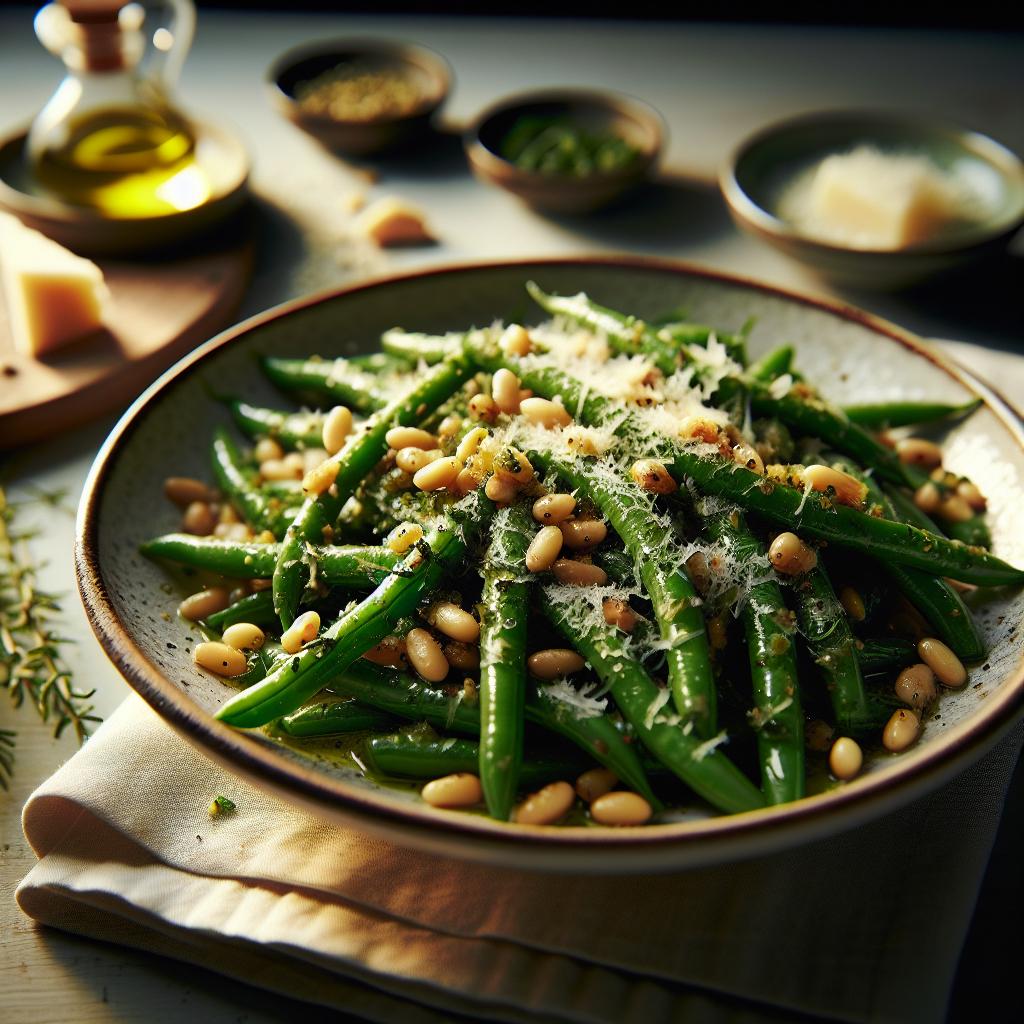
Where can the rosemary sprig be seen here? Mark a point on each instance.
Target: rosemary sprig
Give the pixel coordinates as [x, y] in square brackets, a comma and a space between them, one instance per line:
[32, 667]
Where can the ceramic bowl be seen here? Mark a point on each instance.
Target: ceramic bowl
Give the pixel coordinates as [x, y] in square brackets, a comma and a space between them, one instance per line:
[428, 70]
[598, 112]
[763, 166]
[132, 606]
[225, 165]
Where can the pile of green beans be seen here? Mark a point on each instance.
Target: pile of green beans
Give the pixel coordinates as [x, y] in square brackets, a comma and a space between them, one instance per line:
[398, 561]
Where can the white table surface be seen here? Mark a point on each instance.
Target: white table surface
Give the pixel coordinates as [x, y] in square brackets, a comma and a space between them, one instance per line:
[713, 83]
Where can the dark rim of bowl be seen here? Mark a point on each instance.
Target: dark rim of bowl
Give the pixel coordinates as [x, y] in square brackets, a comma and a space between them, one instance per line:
[872, 794]
[612, 102]
[995, 154]
[399, 51]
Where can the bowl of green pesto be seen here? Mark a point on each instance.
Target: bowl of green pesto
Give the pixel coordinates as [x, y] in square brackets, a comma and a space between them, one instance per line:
[566, 150]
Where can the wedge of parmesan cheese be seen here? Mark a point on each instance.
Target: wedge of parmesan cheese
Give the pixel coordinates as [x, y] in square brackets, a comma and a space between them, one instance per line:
[53, 296]
[393, 222]
[872, 199]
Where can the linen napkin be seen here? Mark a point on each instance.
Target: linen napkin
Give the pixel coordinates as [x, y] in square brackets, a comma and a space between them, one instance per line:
[273, 896]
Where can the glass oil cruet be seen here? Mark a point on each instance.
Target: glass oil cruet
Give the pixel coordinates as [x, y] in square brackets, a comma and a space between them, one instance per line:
[110, 138]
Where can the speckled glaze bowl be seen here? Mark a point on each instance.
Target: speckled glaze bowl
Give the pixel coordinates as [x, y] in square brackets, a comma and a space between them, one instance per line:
[167, 431]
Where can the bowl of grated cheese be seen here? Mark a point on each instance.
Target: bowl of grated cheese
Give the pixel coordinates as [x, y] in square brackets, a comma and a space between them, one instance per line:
[876, 200]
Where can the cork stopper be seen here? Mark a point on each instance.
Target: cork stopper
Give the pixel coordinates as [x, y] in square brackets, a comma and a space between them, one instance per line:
[97, 32]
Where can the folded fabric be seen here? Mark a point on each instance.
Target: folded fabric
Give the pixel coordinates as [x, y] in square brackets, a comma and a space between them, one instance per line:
[276, 897]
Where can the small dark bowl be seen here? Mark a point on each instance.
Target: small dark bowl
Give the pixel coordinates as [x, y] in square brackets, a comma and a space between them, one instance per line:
[428, 69]
[758, 173]
[602, 112]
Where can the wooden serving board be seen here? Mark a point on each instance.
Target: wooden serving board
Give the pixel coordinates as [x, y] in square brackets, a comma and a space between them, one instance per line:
[158, 311]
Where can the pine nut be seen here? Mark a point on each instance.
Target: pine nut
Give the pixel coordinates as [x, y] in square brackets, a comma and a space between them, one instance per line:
[652, 476]
[818, 735]
[390, 651]
[227, 514]
[619, 614]
[901, 731]
[198, 519]
[948, 668]
[515, 341]
[620, 809]
[500, 490]
[184, 490]
[915, 686]
[483, 407]
[412, 460]
[595, 783]
[916, 451]
[257, 585]
[453, 621]
[425, 655]
[554, 663]
[220, 659]
[971, 493]
[462, 789]
[301, 632]
[278, 469]
[512, 464]
[267, 448]
[699, 428]
[544, 412]
[316, 481]
[579, 574]
[337, 427]
[465, 482]
[295, 462]
[554, 508]
[544, 549]
[853, 603]
[791, 556]
[410, 437]
[748, 457]
[462, 656]
[927, 498]
[583, 534]
[470, 443]
[698, 571]
[845, 758]
[265, 537]
[438, 475]
[204, 603]
[848, 490]
[313, 458]
[546, 806]
[449, 427]
[232, 531]
[954, 509]
[244, 636]
[403, 536]
[505, 391]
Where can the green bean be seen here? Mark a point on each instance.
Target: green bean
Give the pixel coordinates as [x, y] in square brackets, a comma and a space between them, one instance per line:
[235, 481]
[881, 653]
[430, 757]
[617, 564]
[333, 716]
[936, 599]
[256, 608]
[503, 619]
[772, 364]
[342, 565]
[286, 688]
[882, 415]
[293, 430]
[701, 765]
[814, 514]
[832, 645]
[335, 379]
[769, 625]
[677, 606]
[414, 347]
[361, 453]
